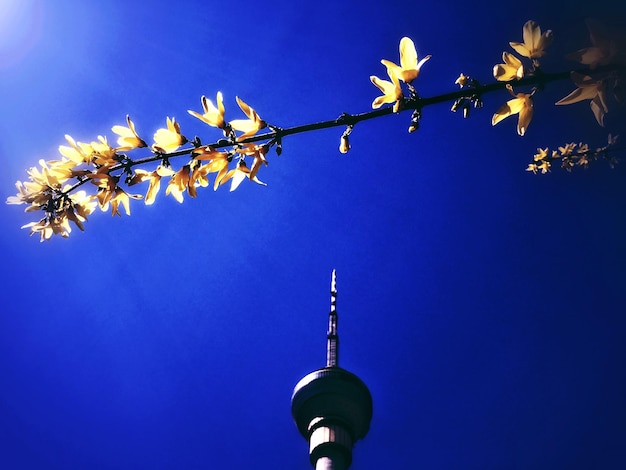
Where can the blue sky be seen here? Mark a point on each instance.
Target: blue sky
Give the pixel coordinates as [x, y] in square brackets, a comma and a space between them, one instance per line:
[482, 305]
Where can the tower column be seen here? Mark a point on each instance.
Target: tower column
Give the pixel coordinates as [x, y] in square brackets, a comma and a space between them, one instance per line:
[331, 463]
[330, 446]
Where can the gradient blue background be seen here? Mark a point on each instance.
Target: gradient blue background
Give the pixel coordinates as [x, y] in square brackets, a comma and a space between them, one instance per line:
[483, 306]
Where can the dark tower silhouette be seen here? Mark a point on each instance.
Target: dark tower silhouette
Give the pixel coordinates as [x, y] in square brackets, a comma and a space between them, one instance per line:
[331, 406]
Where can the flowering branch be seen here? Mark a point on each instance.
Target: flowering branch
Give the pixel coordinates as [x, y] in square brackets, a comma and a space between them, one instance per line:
[573, 154]
[54, 189]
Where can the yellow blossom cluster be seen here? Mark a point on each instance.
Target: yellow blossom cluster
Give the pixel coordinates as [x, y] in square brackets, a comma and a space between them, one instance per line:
[46, 190]
[571, 155]
[608, 48]
[407, 71]
[533, 47]
[52, 188]
[512, 68]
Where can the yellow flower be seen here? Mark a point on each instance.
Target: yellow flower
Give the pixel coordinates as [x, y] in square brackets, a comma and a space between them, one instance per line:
[462, 80]
[78, 152]
[588, 89]
[110, 193]
[59, 206]
[106, 185]
[42, 227]
[534, 41]
[567, 150]
[544, 155]
[583, 155]
[31, 193]
[23, 195]
[522, 104]
[391, 91]
[532, 167]
[75, 208]
[258, 152]
[178, 183]
[129, 139]
[219, 166]
[169, 139]
[81, 206]
[238, 174]
[409, 67]
[213, 115]
[103, 153]
[249, 126]
[43, 184]
[49, 226]
[511, 69]
[121, 197]
[607, 46]
[218, 162]
[155, 180]
[60, 170]
[199, 177]
[544, 167]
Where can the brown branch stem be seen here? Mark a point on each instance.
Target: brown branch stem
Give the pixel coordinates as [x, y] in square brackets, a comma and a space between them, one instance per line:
[538, 79]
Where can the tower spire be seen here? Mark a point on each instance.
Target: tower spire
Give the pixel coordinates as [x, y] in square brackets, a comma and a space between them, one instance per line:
[331, 406]
[332, 345]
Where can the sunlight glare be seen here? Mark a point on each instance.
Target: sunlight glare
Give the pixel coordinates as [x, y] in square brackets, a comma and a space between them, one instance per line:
[20, 22]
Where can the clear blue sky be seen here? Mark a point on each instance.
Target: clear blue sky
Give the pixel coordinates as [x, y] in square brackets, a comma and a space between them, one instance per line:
[484, 307]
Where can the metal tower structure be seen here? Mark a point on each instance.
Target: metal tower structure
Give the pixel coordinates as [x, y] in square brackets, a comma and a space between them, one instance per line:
[331, 406]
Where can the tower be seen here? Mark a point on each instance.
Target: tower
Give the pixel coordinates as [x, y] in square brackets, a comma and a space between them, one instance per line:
[331, 406]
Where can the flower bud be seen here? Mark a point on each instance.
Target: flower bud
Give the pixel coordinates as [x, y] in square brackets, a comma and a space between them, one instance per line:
[466, 110]
[462, 80]
[344, 145]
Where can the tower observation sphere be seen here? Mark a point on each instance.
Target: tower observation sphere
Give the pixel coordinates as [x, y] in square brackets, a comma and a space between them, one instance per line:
[331, 406]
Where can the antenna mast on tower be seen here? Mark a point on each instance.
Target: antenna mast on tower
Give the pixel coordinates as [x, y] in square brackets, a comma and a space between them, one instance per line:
[332, 347]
